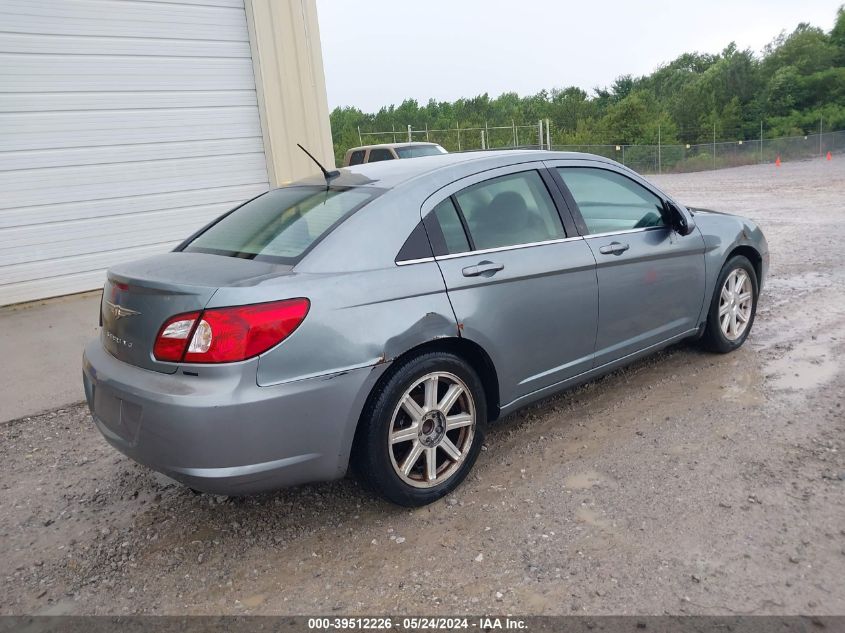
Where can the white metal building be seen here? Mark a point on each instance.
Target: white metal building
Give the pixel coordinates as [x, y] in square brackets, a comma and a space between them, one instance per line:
[125, 125]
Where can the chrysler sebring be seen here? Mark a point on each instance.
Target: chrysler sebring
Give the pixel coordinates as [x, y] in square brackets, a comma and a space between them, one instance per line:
[381, 316]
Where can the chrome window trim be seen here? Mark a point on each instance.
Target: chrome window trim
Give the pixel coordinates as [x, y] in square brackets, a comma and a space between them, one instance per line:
[498, 249]
[626, 231]
[409, 262]
[513, 247]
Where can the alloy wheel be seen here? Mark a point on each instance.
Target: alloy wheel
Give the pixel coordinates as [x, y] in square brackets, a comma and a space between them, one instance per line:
[432, 430]
[735, 304]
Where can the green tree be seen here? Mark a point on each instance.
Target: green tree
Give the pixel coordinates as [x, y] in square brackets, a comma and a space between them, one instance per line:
[837, 36]
[808, 48]
[798, 80]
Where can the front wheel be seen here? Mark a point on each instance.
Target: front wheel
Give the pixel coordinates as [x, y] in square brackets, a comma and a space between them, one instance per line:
[422, 430]
[733, 307]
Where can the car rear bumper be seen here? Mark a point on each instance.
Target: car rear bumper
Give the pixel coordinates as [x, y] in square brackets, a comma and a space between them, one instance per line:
[220, 432]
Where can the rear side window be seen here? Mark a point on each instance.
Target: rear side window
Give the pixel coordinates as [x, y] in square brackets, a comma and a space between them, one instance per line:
[281, 225]
[357, 157]
[450, 225]
[380, 154]
[610, 202]
[509, 210]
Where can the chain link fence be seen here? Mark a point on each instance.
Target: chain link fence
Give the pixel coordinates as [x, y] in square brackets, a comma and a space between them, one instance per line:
[646, 159]
[463, 139]
[655, 159]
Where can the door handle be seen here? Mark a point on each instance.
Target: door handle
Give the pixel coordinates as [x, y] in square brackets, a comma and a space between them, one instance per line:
[614, 248]
[482, 269]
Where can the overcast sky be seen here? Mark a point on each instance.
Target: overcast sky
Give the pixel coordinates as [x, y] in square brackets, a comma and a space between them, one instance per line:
[378, 52]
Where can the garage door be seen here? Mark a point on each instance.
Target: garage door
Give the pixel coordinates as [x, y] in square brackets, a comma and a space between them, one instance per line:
[124, 126]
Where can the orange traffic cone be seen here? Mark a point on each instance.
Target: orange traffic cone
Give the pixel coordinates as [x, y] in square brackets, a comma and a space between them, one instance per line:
[828, 155]
[777, 161]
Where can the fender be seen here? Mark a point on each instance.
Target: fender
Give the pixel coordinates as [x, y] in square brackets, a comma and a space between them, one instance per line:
[723, 235]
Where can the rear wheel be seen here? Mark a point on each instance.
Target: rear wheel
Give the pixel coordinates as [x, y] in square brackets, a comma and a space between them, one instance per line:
[422, 430]
[733, 306]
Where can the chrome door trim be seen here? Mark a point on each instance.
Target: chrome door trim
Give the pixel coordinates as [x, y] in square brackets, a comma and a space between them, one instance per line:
[498, 249]
[512, 247]
[627, 231]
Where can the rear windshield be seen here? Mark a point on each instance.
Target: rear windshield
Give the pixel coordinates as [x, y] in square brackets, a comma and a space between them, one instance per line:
[281, 225]
[419, 150]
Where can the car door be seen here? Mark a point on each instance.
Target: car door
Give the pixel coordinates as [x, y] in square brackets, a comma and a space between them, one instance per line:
[651, 279]
[521, 286]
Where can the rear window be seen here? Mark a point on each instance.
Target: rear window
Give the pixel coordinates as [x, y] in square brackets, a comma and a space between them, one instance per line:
[413, 151]
[281, 225]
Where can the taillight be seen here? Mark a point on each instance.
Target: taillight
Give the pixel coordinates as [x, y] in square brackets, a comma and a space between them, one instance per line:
[226, 335]
[173, 337]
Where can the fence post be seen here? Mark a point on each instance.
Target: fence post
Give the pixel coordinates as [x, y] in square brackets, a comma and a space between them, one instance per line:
[714, 145]
[482, 139]
[761, 142]
[409, 133]
[426, 132]
[393, 127]
[623, 155]
[659, 161]
[540, 132]
[360, 142]
[486, 135]
[548, 135]
[515, 137]
[458, 127]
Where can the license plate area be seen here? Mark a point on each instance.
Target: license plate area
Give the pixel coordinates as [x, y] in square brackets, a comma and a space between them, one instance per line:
[118, 416]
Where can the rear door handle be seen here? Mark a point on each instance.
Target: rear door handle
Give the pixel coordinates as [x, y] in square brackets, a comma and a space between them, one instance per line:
[482, 269]
[614, 248]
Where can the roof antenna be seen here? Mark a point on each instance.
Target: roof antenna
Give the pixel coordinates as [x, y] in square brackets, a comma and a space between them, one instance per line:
[328, 175]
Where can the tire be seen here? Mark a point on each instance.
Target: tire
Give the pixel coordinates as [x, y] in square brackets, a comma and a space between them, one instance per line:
[399, 470]
[717, 337]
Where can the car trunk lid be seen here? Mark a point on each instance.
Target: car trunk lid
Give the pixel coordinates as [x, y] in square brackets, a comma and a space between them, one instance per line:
[140, 296]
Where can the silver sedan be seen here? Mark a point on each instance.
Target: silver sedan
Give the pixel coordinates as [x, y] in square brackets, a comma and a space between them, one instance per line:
[381, 317]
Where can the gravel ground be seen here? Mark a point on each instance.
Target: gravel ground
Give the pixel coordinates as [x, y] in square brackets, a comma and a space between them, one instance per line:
[687, 483]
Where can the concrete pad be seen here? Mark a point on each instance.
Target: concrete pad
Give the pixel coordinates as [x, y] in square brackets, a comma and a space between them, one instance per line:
[41, 347]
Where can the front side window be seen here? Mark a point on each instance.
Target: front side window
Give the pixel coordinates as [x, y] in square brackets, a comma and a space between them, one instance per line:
[380, 154]
[610, 202]
[357, 157]
[509, 210]
[282, 224]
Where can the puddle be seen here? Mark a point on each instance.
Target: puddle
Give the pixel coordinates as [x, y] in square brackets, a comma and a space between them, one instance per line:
[62, 607]
[684, 449]
[584, 481]
[803, 368]
[254, 601]
[590, 517]
[205, 533]
[745, 379]
[798, 283]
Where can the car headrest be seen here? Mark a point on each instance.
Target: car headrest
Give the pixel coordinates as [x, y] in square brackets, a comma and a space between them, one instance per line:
[507, 203]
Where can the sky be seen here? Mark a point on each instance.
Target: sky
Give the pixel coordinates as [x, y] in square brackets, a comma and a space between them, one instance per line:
[380, 52]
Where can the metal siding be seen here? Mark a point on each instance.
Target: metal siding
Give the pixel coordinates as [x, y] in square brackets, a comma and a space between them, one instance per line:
[124, 127]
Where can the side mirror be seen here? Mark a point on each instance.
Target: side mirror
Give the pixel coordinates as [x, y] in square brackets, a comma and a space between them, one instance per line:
[679, 219]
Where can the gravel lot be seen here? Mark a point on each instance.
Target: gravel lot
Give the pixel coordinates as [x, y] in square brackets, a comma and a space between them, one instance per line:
[687, 483]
